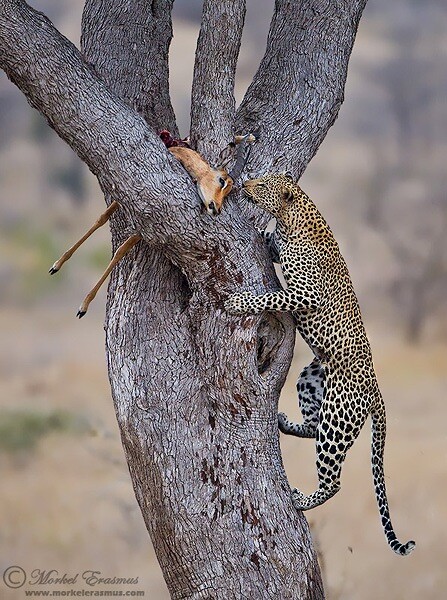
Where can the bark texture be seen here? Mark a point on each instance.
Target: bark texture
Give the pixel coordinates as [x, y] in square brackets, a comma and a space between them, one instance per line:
[212, 102]
[195, 390]
[139, 54]
[298, 89]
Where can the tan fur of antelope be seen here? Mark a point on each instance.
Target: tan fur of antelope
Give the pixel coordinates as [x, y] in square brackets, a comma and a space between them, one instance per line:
[213, 186]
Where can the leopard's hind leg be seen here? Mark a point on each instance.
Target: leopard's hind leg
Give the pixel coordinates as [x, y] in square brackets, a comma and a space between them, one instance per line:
[310, 395]
[343, 413]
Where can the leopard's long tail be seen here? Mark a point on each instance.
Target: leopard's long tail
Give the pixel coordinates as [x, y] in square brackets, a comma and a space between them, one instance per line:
[378, 427]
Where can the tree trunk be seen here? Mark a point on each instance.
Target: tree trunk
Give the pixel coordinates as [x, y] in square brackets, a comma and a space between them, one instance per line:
[195, 390]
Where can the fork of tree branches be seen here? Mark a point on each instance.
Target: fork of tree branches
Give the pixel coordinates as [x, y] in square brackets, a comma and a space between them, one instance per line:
[195, 390]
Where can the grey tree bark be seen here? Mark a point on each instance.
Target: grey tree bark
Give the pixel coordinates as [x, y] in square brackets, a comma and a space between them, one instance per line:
[195, 390]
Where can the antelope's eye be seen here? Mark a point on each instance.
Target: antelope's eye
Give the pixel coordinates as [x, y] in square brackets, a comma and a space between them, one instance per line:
[222, 182]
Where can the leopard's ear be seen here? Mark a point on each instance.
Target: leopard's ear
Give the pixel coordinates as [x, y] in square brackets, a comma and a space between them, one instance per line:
[288, 196]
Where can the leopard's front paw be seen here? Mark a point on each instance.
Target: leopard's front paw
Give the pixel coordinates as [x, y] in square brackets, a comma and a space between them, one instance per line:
[283, 422]
[298, 499]
[241, 303]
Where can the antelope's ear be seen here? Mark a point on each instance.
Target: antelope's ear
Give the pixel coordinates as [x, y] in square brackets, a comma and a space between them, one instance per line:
[288, 196]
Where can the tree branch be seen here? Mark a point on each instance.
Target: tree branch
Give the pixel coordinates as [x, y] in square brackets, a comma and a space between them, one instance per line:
[53, 76]
[140, 30]
[298, 89]
[131, 163]
[213, 103]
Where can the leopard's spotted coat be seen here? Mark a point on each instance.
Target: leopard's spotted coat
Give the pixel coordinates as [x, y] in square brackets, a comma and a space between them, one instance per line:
[338, 390]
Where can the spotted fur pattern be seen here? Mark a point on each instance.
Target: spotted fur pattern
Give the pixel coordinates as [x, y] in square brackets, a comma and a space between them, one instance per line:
[338, 390]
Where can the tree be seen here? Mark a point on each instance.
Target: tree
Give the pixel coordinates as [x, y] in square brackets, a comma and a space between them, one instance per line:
[195, 390]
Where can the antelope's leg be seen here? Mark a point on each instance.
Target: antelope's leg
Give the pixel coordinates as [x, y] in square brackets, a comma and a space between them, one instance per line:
[238, 138]
[119, 254]
[99, 223]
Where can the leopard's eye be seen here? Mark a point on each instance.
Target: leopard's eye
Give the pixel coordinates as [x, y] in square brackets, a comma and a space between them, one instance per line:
[287, 196]
[222, 182]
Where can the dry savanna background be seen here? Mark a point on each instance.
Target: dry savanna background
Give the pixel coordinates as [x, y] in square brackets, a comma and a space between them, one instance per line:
[380, 179]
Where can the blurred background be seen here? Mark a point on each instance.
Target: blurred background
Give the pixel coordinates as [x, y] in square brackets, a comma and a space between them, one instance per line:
[380, 179]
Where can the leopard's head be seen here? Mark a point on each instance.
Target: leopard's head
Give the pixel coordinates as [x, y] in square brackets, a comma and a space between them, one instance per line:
[278, 194]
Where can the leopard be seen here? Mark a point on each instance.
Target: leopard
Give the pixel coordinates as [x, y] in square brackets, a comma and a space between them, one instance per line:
[338, 390]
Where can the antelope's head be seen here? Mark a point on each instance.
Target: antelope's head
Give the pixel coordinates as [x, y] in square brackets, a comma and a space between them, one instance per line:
[213, 188]
[213, 183]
